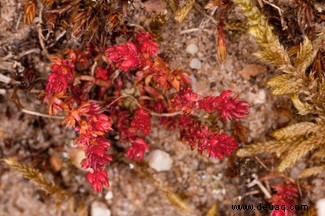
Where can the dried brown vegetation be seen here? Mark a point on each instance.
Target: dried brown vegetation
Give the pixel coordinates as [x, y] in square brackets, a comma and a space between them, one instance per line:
[302, 77]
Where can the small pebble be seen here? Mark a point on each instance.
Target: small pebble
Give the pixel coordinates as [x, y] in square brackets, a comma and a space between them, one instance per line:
[320, 205]
[109, 195]
[193, 79]
[159, 160]
[260, 97]
[195, 64]
[99, 209]
[77, 155]
[192, 49]
[294, 172]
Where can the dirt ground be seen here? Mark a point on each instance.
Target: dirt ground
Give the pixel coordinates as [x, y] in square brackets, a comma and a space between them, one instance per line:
[200, 181]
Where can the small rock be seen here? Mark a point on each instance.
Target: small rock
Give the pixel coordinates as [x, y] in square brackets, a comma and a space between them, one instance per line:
[257, 98]
[252, 70]
[77, 155]
[320, 205]
[193, 80]
[192, 49]
[294, 173]
[159, 160]
[99, 209]
[109, 195]
[260, 97]
[195, 64]
[56, 162]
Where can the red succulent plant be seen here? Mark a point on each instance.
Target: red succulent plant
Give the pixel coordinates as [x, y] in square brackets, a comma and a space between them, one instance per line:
[126, 102]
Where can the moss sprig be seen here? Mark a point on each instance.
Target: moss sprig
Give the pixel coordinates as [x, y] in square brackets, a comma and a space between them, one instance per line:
[35, 176]
[297, 80]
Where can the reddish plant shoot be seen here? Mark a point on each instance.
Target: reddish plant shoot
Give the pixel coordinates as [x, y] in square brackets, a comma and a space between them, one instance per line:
[129, 86]
[286, 196]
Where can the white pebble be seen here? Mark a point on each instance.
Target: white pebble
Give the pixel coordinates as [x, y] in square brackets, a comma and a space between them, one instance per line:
[294, 172]
[195, 64]
[193, 80]
[99, 209]
[260, 97]
[192, 49]
[77, 155]
[320, 205]
[109, 195]
[159, 160]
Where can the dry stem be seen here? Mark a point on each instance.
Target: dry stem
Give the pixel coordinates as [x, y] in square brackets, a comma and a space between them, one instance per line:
[40, 34]
[139, 105]
[41, 114]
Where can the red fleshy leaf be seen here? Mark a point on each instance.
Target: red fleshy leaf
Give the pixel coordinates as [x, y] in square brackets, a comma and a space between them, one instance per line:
[141, 121]
[102, 73]
[221, 145]
[98, 179]
[56, 83]
[146, 43]
[227, 106]
[137, 149]
[97, 157]
[124, 56]
[200, 136]
[64, 67]
[100, 122]
[186, 100]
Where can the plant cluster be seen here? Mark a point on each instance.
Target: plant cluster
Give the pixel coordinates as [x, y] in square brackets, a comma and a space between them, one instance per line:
[286, 195]
[113, 95]
[303, 79]
[92, 20]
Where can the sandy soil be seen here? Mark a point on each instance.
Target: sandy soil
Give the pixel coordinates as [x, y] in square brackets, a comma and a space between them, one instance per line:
[200, 181]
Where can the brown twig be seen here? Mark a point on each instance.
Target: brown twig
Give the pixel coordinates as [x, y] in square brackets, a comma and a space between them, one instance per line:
[86, 78]
[257, 182]
[186, 31]
[199, 9]
[263, 165]
[139, 105]
[27, 52]
[30, 112]
[93, 67]
[40, 34]
[284, 26]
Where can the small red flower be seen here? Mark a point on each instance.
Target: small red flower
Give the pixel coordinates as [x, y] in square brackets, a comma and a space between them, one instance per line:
[286, 195]
[83, 140]
[141, 121]
[98, 179]
[137, 149]
[221, 145]
[185, 100]
[100, 122]
[92, 108]
[227, 106]
[146, 43]
[97, 157]
[56, 83]
[161, 74]
[65, 67]
[124, 56]
[208, 104]
[102, 73]
[201, 136]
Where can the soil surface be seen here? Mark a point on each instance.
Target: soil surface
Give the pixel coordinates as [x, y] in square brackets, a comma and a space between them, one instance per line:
[198, 181]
